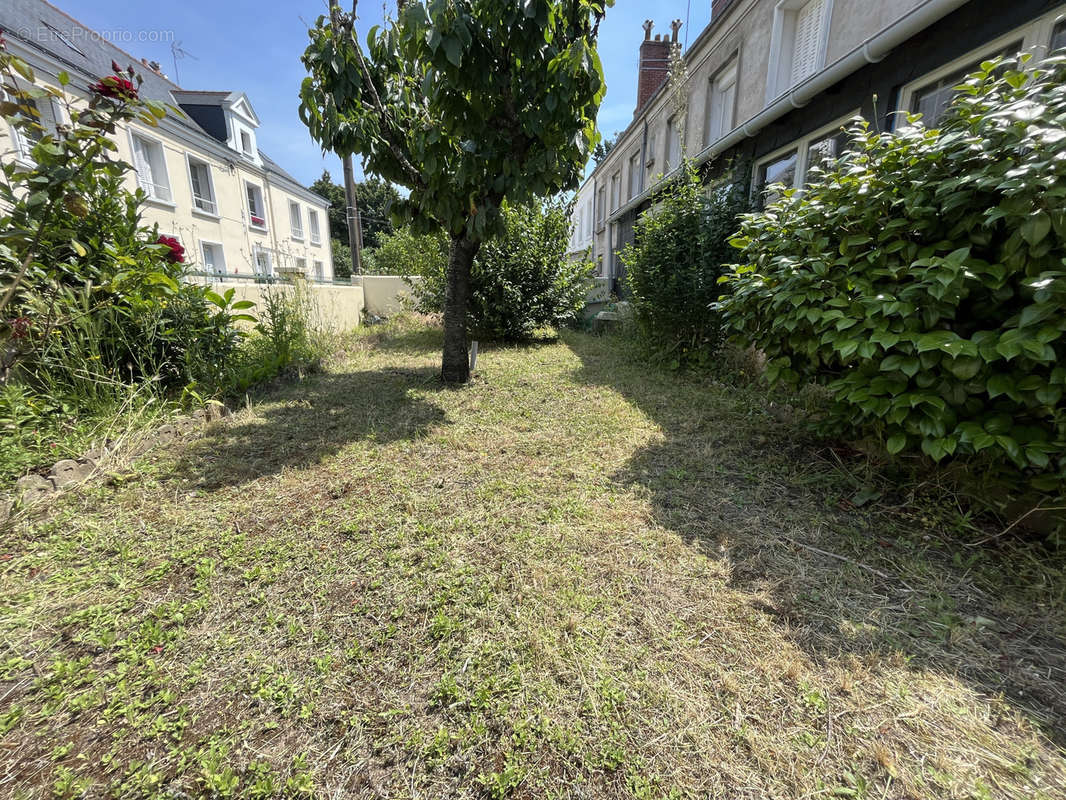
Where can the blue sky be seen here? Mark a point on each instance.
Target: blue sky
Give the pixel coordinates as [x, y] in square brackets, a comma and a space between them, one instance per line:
[255, 47]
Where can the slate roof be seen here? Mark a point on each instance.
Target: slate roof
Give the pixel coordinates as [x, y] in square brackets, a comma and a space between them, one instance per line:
[87, 55]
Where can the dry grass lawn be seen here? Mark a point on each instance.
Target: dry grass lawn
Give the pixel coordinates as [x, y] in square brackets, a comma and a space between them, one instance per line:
[575, 578]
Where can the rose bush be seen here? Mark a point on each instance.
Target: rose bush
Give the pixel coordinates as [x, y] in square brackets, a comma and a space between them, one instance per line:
[94, 311]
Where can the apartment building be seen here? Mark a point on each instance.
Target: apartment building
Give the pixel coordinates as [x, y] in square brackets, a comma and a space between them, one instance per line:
[238, 213]
[771, 83]
[581, 239]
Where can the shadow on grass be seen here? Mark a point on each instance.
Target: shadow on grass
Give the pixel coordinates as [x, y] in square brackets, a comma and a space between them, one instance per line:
[743, 482]
[301, 423]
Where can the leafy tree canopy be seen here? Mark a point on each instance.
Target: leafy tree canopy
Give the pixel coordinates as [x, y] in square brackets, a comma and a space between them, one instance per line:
[464, 102]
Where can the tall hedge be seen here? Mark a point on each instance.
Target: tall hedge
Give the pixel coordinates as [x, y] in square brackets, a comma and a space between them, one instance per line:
[922, 279]
[680, 250]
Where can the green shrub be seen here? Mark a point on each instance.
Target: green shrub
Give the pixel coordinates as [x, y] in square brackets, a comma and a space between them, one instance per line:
[521, 280]
[674, 265]
[405, 253]
[922, 279]
[342, 260]
[290, 334]
[95, 321]
[92, 299]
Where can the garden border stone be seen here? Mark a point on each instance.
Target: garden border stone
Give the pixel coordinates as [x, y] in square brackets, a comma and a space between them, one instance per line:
[33, 488]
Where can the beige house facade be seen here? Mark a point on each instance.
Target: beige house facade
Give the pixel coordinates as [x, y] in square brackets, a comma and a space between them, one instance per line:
[237, 213]
[770, 83]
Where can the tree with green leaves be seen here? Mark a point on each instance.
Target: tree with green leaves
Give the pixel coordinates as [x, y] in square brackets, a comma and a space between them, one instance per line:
[466, 103]
[375, 198]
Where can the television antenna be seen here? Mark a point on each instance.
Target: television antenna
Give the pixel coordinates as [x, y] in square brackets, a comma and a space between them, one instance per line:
[177, 51]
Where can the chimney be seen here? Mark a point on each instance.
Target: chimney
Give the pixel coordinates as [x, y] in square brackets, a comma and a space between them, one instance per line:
[654, 65]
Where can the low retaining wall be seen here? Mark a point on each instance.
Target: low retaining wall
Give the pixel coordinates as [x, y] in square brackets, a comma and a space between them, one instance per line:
[384, 295]
[341, 306]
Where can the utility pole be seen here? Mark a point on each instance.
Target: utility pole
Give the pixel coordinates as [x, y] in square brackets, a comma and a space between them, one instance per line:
[355, 238]
[351, 212]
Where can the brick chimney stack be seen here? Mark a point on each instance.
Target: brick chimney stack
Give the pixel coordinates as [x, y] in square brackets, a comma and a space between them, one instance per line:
[654, 63]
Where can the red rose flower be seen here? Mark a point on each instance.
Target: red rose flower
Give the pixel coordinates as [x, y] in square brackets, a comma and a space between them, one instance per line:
[115, 87]
[177, 252]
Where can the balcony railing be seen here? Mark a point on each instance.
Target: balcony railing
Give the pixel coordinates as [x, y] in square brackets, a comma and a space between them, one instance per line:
[205, 204]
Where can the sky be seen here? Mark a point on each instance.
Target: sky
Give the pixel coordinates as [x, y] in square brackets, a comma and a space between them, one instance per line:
[255, 47]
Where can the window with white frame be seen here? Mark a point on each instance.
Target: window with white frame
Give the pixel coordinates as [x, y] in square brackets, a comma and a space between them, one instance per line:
[320, 270]
[807, 55]
[247, 144]
[673, 143]
[296, 221]
[301, 265]
[264, 264]
[932, 99]
[43, 119]
[931, 94]
[650, 163]
[798, 43]
[823, 153]
[601, 206]
[792, 165]
[256, 209]
[721, 102]
[615, 181]
[635, 172]
[1058, 36]
[150, 163]
[312, 224]
[588, 219]
[214, 259]
[203, 189]
[782, 168]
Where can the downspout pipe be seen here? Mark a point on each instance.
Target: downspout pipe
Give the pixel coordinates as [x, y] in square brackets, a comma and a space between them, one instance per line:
[870, 51]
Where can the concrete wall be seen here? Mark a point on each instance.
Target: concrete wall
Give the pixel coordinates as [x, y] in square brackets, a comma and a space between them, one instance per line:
[341, 306]
[383, 294]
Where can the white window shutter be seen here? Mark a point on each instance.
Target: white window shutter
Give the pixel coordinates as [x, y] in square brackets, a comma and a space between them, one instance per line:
[143, 165]
[809, 21]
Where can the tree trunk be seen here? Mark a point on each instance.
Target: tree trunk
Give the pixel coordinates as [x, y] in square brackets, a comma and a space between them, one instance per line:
[455, 367]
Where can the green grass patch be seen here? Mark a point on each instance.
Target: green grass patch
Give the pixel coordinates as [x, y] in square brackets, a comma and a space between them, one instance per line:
[574, 577]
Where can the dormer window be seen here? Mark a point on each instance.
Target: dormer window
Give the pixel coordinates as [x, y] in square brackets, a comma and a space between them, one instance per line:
[246, 143]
